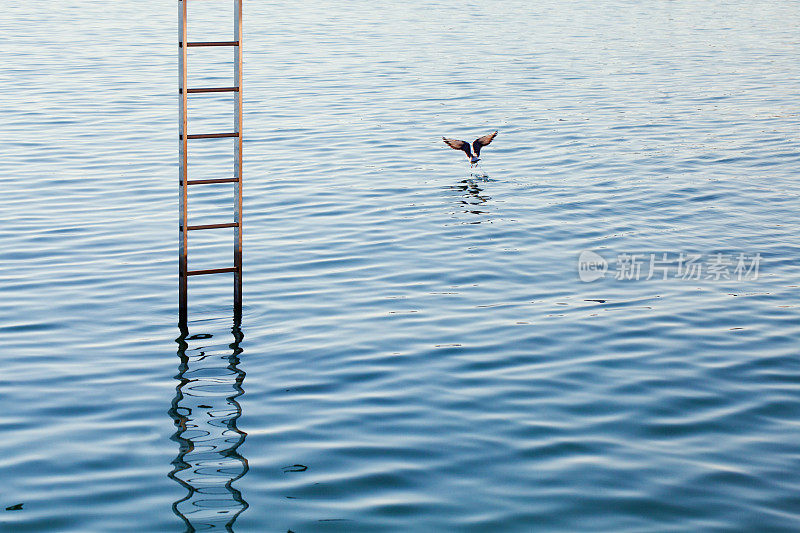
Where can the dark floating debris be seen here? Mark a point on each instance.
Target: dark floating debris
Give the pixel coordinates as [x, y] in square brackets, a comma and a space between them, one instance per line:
[294, 468]
[199, 336]
[203, 406]
[598, 301]
[17, 507]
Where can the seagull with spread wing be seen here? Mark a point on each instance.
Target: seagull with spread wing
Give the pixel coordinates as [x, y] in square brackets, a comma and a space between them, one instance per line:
[477, 144]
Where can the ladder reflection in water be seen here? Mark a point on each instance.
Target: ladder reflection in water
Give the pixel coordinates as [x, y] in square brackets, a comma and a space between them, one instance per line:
[205, 411]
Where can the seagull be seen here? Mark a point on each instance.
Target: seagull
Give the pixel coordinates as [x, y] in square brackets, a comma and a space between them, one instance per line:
[477, 144]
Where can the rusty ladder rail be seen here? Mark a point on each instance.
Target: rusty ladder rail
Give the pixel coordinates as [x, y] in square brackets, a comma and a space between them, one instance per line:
[183, 137]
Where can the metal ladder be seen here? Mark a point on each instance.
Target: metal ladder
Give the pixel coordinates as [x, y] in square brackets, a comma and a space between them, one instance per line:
[185, 182]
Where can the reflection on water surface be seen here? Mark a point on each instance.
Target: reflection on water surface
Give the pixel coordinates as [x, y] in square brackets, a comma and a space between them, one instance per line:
[205, 410]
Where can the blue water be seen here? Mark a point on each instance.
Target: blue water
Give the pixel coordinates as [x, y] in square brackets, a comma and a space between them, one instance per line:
[417, 351]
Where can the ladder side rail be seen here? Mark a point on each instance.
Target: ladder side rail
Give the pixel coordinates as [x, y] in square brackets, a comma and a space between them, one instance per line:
[183, 247]
[237, 245]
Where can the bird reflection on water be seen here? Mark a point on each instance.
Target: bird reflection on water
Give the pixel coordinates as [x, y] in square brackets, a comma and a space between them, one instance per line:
[471, 199]
[205, 411]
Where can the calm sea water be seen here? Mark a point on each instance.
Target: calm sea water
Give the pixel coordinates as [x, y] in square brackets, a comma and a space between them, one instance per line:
[417, 352]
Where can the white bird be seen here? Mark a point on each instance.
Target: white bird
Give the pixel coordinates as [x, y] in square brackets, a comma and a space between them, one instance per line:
[477, 144]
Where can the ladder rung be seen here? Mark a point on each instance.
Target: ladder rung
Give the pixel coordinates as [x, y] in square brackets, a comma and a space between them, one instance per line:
[211, 271]
[211, 90]
[213, 226]
[210, 43]
[209, 135]
[215, 180]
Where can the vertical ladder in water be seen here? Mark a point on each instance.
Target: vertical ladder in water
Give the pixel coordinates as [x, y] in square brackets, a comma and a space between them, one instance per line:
[184, 91]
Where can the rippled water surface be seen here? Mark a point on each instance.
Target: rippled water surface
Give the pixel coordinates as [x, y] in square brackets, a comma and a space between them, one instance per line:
[417, 351]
